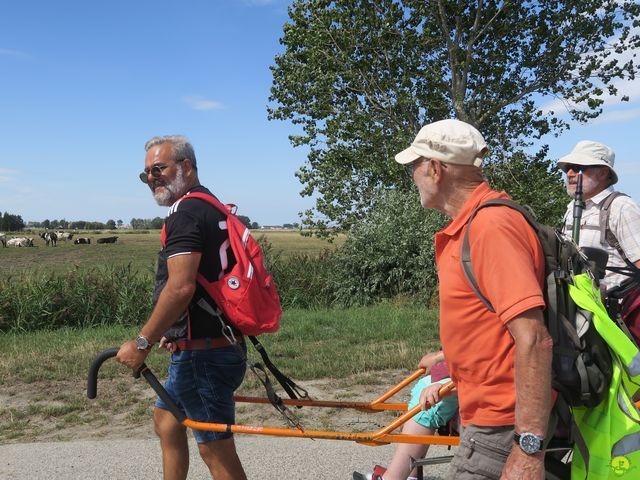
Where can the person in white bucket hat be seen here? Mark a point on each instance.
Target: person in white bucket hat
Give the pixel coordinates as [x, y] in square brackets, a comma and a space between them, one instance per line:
[481, 345]
[610, 220]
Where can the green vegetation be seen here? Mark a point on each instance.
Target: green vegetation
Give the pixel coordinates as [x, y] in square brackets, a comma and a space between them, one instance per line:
[82, 297]
[43, 374]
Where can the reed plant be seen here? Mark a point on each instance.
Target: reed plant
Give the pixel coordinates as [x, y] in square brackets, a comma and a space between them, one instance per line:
[80, 297]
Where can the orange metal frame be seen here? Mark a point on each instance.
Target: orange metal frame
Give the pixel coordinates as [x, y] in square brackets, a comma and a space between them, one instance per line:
[380, 437]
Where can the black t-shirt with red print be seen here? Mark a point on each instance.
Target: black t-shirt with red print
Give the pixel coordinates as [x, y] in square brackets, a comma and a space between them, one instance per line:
[194, 226]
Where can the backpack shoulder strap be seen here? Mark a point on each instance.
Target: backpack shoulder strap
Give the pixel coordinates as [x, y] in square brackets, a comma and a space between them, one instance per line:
[465, 251]
[606, 235]
[211, 200]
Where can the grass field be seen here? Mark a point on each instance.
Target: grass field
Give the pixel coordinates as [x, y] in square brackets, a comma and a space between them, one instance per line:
[43, 374]
[137, 249]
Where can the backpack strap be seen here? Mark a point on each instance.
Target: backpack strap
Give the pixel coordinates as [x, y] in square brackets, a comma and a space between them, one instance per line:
[606, 235]
[294, 390]
[212, 200]
[465, 251]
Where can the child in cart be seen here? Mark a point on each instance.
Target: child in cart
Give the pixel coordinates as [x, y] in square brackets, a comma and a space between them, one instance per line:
[427, 422]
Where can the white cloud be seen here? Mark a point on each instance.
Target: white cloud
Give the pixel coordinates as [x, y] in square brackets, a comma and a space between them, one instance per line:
[617, 116]
[200, 103]
[7, 52]
[6, 174]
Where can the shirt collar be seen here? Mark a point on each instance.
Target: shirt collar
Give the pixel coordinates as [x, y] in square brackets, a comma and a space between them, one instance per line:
[599, 198]
[481, 194]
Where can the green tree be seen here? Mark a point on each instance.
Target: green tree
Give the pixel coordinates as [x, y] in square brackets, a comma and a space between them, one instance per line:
[360, 77]
[155, 223]
[245, 220]
[10, 222]
[111, 224]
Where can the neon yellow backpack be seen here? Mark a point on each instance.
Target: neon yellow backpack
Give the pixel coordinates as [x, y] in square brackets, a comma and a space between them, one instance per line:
[607, 436]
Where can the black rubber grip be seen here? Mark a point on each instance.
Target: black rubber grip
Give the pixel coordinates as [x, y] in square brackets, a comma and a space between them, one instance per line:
[92, 381]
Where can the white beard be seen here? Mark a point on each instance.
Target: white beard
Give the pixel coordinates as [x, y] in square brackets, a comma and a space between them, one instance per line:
[589, 187]
[170, 192]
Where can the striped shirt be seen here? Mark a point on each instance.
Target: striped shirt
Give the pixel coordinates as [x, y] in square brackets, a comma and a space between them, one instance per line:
[624, 222]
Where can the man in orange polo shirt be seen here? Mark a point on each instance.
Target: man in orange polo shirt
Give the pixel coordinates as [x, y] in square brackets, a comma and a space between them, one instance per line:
[500, 362]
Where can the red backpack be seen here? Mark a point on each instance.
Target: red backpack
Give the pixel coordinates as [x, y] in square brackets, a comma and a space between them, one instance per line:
[247, 294]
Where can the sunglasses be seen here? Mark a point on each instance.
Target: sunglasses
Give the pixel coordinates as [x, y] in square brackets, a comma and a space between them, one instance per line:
[155, 171]
[409, 168]
[576, 168]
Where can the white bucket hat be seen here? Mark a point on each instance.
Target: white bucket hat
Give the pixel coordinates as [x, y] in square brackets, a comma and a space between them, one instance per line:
[589, 153]
[450, 141]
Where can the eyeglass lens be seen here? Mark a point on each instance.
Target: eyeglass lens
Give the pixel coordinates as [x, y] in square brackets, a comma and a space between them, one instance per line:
[575, 168]
[155, 171]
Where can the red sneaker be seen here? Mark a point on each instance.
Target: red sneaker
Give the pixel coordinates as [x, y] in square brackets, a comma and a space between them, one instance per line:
[378, 471]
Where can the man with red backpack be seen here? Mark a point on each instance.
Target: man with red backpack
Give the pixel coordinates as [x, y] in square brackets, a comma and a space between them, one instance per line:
[208, 359]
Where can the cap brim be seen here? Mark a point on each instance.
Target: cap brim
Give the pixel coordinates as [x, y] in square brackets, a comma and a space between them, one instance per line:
[407, 156]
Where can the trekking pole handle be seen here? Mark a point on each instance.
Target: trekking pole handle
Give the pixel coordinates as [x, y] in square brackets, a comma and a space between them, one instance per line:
[578, 207]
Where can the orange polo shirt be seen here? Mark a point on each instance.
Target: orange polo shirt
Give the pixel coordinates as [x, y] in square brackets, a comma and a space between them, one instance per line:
[509, 266]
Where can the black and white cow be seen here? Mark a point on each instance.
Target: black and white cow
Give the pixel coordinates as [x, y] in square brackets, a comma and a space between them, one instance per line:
[51, 238]
[107, 240]
[64, 236]
[3, 239]
[20, 242]
[82, 241]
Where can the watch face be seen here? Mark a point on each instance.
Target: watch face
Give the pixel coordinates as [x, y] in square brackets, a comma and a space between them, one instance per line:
[530, 443]
[142, 343]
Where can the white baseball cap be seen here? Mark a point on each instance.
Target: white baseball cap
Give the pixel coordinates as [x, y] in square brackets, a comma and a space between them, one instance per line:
[450, 141]
[589, 153]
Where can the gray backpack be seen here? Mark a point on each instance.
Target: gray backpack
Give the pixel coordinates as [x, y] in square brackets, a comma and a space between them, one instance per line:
[581, 360]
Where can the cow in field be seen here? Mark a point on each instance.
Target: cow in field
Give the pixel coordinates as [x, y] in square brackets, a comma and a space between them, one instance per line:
[20, 242]
[82, 241]
[3, 239]
[107, 240]
[50, 238]
[63, 236]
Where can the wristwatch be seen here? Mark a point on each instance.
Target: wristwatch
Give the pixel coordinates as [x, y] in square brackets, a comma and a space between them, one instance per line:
[143, 343]
[530, 443]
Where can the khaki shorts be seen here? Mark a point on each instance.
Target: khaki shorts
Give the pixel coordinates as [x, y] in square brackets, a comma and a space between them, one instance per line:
[482, 453]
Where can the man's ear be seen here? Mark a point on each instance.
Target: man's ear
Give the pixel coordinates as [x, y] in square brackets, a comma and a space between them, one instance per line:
[436, 167]
[188, 162]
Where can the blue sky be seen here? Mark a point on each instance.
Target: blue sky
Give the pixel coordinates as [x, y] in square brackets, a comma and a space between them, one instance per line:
[84, 84]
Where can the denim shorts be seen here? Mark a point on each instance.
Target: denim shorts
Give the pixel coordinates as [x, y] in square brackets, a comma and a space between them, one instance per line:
[438, 415]
[202, 383]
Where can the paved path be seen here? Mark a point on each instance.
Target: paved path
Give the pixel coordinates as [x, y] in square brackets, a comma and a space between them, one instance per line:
[264, 458]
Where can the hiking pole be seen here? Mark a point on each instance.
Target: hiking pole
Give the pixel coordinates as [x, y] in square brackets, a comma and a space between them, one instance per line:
[578, 207]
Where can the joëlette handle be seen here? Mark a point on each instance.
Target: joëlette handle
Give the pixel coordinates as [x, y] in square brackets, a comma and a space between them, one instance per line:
[92, 382]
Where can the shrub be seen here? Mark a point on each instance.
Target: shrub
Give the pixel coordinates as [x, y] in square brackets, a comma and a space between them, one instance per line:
[389, 253]
[302, 279]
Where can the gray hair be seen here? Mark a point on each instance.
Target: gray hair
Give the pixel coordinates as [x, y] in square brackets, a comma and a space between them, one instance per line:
[180, 146]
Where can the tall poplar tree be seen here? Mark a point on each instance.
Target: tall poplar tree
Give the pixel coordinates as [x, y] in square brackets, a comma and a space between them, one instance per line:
[360, 77]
